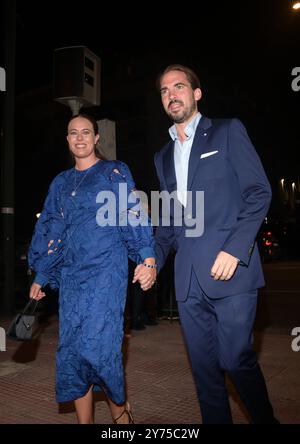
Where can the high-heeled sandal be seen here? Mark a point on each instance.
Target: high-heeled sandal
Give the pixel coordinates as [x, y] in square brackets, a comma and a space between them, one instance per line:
[127, 410]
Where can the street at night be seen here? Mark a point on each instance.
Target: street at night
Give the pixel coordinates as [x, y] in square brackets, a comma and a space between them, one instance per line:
[193, 100]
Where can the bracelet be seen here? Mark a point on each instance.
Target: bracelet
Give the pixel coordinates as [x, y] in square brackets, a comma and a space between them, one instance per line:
[149, 265]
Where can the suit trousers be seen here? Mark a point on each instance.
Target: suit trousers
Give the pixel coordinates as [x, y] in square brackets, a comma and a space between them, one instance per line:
[218, 336]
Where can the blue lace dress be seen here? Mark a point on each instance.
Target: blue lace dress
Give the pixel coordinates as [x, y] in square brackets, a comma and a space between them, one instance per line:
[87, 261]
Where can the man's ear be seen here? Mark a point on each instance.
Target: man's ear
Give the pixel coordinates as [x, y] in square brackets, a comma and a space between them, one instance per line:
[197, 94]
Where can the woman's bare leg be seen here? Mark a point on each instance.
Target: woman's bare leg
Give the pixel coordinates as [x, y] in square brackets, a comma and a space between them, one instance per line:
[85, 408]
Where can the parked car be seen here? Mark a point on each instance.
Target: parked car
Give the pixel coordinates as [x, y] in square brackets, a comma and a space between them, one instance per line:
[268, 244]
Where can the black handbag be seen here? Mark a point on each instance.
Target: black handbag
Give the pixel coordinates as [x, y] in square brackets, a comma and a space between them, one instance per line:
[21, 328]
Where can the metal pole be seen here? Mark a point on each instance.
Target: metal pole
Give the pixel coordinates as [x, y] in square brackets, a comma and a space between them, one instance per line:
[75, 106]
[7, 158]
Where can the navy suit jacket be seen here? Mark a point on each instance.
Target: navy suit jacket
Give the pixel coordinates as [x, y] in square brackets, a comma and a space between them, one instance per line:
[237, 195]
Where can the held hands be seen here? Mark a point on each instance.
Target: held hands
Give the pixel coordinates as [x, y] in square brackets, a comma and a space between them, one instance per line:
[36, 292]
[146, 276]
[224, 266]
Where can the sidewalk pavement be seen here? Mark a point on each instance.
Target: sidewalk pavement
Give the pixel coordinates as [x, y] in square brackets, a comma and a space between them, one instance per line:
[159, 381]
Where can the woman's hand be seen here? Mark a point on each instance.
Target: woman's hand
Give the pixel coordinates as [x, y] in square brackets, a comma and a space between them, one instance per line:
[146, 276]
[36, 292]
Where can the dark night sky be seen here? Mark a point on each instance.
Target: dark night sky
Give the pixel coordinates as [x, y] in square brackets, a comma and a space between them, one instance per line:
[244, 53]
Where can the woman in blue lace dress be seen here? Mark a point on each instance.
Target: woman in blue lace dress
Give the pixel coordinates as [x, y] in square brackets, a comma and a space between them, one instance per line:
[80, 245]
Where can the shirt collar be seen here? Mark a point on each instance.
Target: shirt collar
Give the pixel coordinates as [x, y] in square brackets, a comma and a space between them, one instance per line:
[189, 130]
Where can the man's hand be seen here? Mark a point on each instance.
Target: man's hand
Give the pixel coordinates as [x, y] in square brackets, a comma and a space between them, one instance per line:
[35, 292]
[146, 276]
[224, 266]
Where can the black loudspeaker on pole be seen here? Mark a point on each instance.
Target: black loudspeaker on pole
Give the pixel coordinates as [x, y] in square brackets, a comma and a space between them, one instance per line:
[76, 77]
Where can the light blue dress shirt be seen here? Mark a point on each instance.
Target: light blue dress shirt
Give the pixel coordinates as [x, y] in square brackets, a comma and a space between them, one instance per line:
[182, 153]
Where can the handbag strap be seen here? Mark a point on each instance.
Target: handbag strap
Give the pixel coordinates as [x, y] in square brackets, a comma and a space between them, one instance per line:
[28, 305]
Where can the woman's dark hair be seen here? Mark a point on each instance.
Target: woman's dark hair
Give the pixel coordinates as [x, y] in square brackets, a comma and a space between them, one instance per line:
[95, 128]
[190, 75]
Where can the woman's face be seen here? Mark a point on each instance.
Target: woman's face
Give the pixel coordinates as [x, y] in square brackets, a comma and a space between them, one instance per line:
[81, 138]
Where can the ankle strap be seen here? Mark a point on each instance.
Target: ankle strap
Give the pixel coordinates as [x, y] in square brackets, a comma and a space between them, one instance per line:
[126, 410]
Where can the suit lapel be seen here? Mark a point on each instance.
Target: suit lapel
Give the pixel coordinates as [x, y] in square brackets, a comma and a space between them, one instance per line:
[169, 168]
[198, 147]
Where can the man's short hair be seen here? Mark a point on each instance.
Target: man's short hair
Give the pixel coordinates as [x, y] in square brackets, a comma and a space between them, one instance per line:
[190, 74]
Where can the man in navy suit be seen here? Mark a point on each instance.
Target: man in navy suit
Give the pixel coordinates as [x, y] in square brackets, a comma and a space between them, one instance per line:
[217, 268]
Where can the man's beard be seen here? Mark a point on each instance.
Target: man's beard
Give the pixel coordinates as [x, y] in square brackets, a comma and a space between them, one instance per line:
[184, 115]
